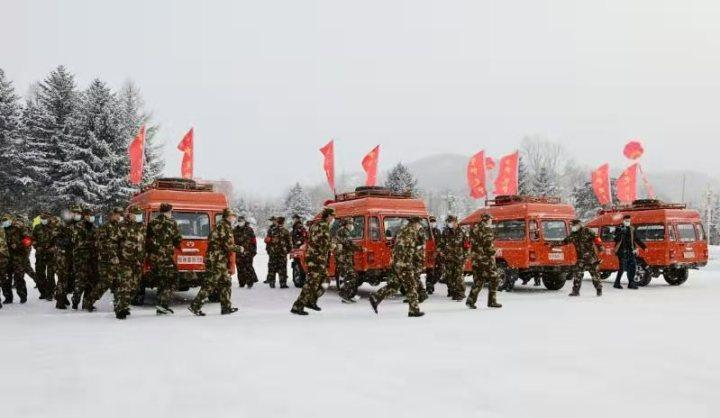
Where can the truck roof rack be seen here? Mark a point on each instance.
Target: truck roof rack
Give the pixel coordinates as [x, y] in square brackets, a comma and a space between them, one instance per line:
[361, 192]
[644, 204]
[503, 200]
[172, 183]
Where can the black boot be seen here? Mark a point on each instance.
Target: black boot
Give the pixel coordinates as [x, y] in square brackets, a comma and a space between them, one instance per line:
[374, 302]
[298, 311]
[314, 307]
[599, 292]
[470, 305]
[121, 314]
[417, 314]
[228, 311]
[196, 312]
[617, 285]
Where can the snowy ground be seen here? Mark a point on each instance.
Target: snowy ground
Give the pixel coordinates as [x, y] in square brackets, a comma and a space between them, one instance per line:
[652, 352]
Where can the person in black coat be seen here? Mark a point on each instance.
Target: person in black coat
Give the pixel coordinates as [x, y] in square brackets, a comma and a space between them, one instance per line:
[626, 244]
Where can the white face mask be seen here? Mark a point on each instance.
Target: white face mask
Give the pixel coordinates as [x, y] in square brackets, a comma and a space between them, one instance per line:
[77, 217]
[432, 224]
[91, 218]
[575, 228]
[452, 225]
[351, 227]
[331, 221]
[138, 218]
[6, 224]
[66, 216]
[44, 221]
[626, 223]
[241, 223]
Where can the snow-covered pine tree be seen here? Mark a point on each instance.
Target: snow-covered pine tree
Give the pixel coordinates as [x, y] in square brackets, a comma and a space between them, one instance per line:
[57, 101]
[297, 202]
[401, 180]
[525, 179]
[545, 183]
[90, 153]
[586, 204]
[132, 116]
[12, 185]
[714, 227]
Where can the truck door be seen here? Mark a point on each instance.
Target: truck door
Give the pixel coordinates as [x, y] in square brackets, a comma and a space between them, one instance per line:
[377, 251]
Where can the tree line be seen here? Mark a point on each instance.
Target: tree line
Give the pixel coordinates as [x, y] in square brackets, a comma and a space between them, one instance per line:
[65, 146]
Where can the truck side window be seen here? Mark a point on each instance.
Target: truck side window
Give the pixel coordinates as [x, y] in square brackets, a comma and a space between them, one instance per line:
[375, 233]
[700, 232]
[671, 233]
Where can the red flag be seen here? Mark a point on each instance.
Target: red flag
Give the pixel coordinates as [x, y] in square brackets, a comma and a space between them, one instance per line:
[506, 182]
[328, 151]
[137, 157]
[370, 164]
[476, 175]
[648, 187]
[187, 147]
[627, 185]
[601, 184]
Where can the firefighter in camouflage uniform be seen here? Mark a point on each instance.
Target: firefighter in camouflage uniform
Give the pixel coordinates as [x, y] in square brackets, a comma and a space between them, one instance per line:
[434, 273]
[84, 258]
[221, 244]
[247, 244]
[108, 241]
[163, 237]
[4, 251]
[405, 265]
[484, 269]
[44, 237]
[63, 258]
[345, 249]
[453, 254]
[587, 247]
[278, 246]
[19, 243]
[132, 258]
[317, 257]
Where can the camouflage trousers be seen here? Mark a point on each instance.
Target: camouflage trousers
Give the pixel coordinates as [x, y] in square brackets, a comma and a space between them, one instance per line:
[453, 272]
[45, 273]
[85, 280]
[433, 277]
[3, 274]
[245, 271]
[14, 277]
[580, 269]
[484, 273]
[277, 265]
[65, 279]
[350, 279]
[312, 290]
[217, 279]
[407, 279]
[165, 277]
[117, 278]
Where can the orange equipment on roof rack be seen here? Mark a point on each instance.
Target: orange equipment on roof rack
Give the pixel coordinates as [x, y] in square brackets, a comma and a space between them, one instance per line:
[511, 199]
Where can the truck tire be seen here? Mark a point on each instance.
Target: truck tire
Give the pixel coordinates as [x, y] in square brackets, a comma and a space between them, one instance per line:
[676, 277]
[642, 275]
[506, 277]
[554, 281]
[298, 274]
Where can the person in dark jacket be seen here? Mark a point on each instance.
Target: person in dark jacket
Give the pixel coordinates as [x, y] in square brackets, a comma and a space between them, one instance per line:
[626, 244]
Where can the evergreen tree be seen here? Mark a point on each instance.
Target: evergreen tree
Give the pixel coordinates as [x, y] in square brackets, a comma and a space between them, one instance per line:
[297, 202]
[87, 176]
[586, 204]
[524, 179]
[401, 180]
[545, 183]
[12, 182]
[132, 116]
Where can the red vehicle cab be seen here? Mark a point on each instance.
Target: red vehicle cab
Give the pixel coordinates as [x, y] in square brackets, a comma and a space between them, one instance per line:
[378, 214]
[197, 208]
[674, 235]
[522, 227]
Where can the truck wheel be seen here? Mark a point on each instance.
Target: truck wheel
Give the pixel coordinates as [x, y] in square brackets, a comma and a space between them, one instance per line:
[643, 278]
[676, 277]
[298, 274]
[554, 281]
[507, 277]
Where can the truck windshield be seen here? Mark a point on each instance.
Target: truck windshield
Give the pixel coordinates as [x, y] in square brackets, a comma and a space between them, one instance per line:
[191, 224]
[649, 233]
[510, 230]
[554, 230]
[358, 227]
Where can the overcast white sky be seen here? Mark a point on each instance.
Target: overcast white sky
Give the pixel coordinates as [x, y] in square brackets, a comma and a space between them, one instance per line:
[266, 83]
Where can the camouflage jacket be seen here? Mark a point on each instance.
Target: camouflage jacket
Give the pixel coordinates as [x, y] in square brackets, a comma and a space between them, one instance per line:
[14, 236]
[107, 239]
[245, 238]
[482, 249]
[585, 244]
[82, 238]
[220, 244]
[345, 247]
[405, 250]
[163, 236]
[44, 237]
[299, 235]
[63, 237]
[452, 245]
[132, 243]
[278, 241]
[319, 244]
[4, 252]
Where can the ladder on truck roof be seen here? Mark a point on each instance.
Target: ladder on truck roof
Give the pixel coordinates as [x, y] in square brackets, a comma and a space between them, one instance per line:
[503, 200]
[644, 204]
[179, 184]
[361, 192]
